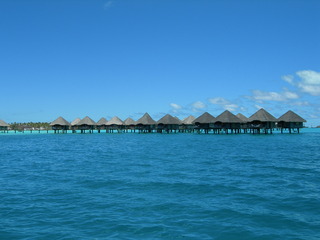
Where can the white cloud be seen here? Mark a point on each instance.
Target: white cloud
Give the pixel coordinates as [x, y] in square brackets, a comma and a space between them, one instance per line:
[231, 107]
[243, 109]
[108, 4]
[257, 106]
[219, 101]
[313, 116]
[224, 103]
[261, 96]
[311, 89]
[266, 96]
[309, 77]
[198, 105]
[175, 106]
[288, 78]
[301, 103]
[310, 82]
[290, 95]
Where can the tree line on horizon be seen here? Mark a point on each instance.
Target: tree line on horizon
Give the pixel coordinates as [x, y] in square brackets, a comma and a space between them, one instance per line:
[32, 125]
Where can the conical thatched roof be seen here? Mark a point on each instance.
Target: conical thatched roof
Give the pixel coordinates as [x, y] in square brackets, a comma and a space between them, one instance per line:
[228, 117]
[205, 118]
[129, 121]
[242, 117]
[102, 122]
[178, 119]
[115, 121]
[75, 122]
[146, 120]
[291, 116]
[87, 121]
[60, 121]
[168, 119]
[3, 124]
[262, 116]
[188, 120]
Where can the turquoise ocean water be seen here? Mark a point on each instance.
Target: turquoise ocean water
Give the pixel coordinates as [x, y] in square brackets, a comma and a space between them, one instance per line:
[160, 186]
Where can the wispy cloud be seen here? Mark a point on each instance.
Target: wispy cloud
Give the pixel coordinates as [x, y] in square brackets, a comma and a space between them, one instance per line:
[257, 106]
[197, 106]
[288, 78]
[108, 5]
[224, 103]
[218, 101]
[299, 103]
[310, 82]
[231, 107]
[175, 106]
[309, 77]
[261, 96]
[176, 109]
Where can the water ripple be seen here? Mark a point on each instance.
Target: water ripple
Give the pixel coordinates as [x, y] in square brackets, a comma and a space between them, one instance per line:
[140, 186]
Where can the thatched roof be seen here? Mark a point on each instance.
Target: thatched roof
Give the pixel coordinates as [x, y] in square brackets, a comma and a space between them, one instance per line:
[115, 121]
[242, 117]
[228, 117]
[75, 122]
[3, 124]
[60, 121]
[146, 120]
[86, 121]
[291, 116]
[168, 119]
[178, 119]
[102, 122]
[262, 116]
[129, 121]
[205, 118]
[188, 120]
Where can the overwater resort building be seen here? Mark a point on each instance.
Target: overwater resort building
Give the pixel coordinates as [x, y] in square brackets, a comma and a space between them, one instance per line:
[146, 123]
[225, 123]
[290, 121]
[86, 124]
[4, 126]
[102, 124]
[129, 124]
[115, 123]
[262, 120]
[204, 122]
[244, 123]
[168, 124]
[187, 124]
[60, 124]
[74, 124]
[228, 121]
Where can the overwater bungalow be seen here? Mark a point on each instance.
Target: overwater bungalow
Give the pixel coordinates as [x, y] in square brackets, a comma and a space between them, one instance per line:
[86, 124]
[115, 123]
[4, 126]
[168, 124]
[262, 120]
[146, 123]
[102, 124]
[244, 123]
[204, 122]
[60, 124]
[129, 124]
[228, 121]
[291, 121]
[74, 123]
[187, 125]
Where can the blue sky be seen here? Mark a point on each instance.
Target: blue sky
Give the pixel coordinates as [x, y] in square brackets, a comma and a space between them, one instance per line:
[74, 58]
